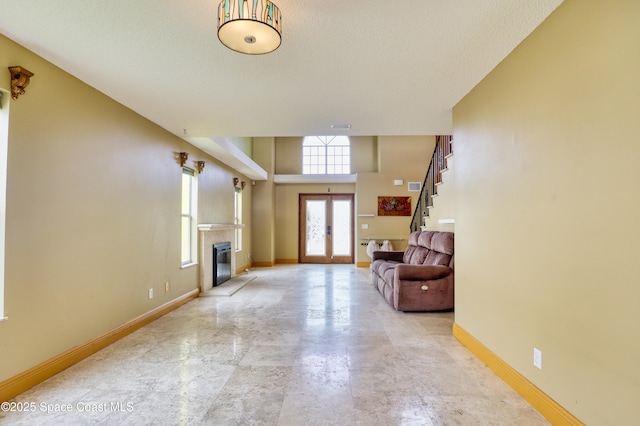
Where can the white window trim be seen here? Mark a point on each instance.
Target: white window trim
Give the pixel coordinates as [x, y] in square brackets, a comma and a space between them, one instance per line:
[237, 217]
[193, 227]
[4, 145]
[325, 145]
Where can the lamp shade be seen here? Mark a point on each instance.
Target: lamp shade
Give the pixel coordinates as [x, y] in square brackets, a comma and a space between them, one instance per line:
[250, 26]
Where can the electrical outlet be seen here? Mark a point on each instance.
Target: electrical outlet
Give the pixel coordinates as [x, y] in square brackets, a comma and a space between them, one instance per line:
[537, 358]
[150, 293]
[166, 286]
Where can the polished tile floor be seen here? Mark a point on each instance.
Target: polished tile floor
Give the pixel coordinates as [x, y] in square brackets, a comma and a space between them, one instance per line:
[298, 345]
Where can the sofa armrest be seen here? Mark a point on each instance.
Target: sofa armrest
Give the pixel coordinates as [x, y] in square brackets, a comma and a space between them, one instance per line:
[422, 272]
[395, 256]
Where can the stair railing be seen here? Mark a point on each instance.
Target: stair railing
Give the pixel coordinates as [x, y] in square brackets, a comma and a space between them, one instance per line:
[433, 177]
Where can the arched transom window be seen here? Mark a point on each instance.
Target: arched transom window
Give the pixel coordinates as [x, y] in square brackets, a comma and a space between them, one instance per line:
[326, 155]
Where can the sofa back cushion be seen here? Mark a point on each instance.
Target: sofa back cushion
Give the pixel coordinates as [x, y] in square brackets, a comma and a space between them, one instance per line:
[413, 238]
[441, 249]
[442, 242]
[429, 248]
[435, 258]
[424, 239]
[411, 247]
[417, 256]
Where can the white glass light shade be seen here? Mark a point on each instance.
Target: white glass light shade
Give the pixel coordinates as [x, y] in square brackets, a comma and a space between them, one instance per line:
[250, 26]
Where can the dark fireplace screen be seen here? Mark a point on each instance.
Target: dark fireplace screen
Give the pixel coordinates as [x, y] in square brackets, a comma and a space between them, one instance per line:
[221, 262]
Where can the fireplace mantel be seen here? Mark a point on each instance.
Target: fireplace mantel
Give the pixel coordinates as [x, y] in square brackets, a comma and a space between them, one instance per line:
[206, 227]
[209, 234]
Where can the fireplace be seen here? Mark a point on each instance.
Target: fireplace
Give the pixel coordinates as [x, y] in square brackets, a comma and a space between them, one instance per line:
[209, 235]
[221, 262]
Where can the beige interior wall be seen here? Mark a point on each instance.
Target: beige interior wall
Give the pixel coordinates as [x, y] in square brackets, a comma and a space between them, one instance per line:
[286, 214]
[263, 229]
[216, 200]
[377, 161]
[245, 144]
[392, 228]
[93, 214]
[365, 158]
[547, 200]
[288, 155]
[403, 158]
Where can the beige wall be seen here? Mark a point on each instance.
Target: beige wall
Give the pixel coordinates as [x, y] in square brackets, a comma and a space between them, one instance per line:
[243, 143]
[377, 161]
[264, 202]
[286, 214]
[93, 214]
[288, 155]
[400, 157]
[547, 200]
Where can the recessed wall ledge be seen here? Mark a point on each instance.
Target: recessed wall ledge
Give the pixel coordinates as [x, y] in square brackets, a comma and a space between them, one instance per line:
[446, 221]
[204, 227]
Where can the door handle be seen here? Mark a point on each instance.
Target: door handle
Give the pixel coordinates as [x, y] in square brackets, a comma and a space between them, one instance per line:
[328, 229]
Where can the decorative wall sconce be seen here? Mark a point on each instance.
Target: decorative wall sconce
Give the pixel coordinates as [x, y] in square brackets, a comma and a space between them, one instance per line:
[243, 184]
[235, 181]
[184, 156]
[199, 166]
[19, 80]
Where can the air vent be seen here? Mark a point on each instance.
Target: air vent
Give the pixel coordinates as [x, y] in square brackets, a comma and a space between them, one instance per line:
[414, 186]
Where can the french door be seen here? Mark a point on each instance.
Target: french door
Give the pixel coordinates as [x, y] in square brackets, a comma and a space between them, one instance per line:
[326, 228]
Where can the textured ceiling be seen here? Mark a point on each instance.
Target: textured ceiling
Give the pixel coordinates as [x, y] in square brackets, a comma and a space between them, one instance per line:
[386, 68]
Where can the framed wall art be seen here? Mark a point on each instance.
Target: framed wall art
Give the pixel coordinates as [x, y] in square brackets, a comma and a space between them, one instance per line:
[394, 206]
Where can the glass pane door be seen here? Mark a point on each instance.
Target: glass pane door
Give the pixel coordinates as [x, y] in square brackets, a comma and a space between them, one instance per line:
[341, 228]
[316, 220]
[326, 228]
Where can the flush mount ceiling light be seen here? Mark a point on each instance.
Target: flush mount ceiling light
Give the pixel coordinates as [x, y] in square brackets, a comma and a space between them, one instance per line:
[250, 26]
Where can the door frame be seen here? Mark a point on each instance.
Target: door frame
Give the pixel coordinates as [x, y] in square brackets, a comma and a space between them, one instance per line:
[329, 258]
